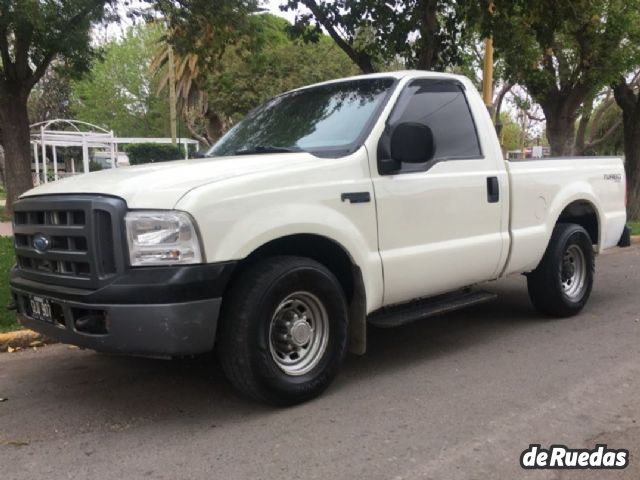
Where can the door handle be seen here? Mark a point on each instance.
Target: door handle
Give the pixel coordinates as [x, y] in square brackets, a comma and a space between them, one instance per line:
[356, 197]
[493, 190]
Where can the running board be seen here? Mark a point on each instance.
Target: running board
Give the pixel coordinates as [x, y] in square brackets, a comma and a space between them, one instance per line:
[419, 309]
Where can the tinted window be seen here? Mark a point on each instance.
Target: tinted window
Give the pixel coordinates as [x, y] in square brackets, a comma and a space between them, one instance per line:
[331, 117]
[442, 106]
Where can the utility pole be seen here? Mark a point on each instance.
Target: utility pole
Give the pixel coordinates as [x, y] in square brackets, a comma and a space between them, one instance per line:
[487, 71]
[172, 96]
[487, 74]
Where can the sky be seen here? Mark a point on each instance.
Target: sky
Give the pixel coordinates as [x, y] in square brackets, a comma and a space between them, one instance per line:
[111, 31]
[272, 6]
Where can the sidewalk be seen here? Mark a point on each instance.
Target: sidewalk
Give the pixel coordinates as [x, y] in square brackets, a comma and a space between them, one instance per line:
[5, 229]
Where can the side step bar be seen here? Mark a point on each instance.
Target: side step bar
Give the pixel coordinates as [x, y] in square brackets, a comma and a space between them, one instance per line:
[419, 309]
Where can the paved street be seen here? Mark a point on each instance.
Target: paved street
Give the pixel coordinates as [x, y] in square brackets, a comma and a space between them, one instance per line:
[459, 396]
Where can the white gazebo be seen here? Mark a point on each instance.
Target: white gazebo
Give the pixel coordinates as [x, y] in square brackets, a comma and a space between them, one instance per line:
[61, 133]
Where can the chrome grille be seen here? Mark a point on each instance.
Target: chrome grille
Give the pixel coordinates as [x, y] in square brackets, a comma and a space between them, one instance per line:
[72, 240]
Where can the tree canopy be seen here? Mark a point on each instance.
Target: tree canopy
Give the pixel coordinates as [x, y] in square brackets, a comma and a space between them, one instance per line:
[575, 59]
[258, 65]
[423, 34]
[120, 92]
[565, 52]
[34, 33]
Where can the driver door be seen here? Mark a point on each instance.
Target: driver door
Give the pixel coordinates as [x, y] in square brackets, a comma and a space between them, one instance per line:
[438, 227]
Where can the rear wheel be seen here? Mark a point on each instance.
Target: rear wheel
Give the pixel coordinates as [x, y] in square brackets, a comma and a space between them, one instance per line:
[283, 331]
[562, 282]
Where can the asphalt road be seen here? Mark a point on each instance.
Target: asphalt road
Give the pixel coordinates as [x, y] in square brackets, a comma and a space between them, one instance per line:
[459, 396]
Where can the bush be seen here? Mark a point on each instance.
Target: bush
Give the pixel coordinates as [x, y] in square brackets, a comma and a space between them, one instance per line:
[95, 166]
[8, 320]
[139, 153]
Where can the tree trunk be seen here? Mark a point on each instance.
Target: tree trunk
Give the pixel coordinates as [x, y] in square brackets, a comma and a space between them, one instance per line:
[14, 123]
[629, 102]
[581, 135]
[362, 59]
[2, 169]
[560, 132]
[632, 161]
[428, 50]
[214, 126]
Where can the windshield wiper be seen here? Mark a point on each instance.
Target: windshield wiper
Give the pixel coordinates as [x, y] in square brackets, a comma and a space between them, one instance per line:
[267, 149]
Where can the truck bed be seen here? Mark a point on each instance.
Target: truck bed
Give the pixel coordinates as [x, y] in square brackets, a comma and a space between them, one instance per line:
[541, 189]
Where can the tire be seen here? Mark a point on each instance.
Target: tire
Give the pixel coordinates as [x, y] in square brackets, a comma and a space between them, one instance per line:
[256, 357]
[561, 284]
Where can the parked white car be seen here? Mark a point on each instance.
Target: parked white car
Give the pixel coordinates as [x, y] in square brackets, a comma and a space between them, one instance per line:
[380, 198]
[104, 159]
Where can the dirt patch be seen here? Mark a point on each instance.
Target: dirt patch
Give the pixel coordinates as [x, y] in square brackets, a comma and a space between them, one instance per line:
[20, 340]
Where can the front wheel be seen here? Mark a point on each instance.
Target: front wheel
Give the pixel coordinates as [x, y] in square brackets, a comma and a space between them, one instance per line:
[561, 284]
[284, 329]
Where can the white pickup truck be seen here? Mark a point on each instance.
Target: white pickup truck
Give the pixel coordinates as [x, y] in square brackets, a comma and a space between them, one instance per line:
[375, 199]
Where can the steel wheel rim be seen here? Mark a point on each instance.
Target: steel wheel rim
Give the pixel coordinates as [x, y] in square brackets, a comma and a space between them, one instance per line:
[573, 272]
[298, 333]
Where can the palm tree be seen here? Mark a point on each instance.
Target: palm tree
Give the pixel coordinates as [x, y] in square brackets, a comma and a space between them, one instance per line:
[190, 99]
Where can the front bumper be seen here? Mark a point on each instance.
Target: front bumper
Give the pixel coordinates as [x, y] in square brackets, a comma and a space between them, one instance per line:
[147, 311]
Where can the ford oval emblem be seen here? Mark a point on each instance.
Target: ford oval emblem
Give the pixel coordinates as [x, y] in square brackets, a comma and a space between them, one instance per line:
[40, 243]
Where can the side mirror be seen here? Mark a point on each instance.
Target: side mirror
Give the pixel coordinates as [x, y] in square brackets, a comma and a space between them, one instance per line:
[412, 143]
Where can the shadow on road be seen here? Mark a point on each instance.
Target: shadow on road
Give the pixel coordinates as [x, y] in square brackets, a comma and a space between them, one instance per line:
[127, 390]
[200, 383]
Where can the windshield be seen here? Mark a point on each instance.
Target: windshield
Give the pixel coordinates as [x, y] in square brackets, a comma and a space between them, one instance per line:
[323, 119]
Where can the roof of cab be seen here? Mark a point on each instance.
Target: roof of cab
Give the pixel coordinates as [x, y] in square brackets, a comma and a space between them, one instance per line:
[399, 74]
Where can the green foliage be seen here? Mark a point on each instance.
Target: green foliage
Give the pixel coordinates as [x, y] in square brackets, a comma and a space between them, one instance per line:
[635, 227]
[511, 133]
[564, 52]
[37, 31]
[4, 215]
[33, 34]
[204, 27]
[120, 94]
[8, 320]
[423, 34]
[94, 166]
[50, 98]
[257, 66]
[152, 152]
[607, 124]
[577, 43]
[268, 63]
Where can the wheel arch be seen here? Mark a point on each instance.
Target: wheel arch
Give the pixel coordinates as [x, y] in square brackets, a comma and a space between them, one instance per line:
[584, 213]
[338, 260]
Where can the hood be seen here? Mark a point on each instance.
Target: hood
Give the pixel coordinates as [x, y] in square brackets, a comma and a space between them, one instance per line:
[161, 185]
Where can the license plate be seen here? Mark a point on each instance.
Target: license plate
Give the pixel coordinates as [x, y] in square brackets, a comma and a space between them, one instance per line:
[40, 309]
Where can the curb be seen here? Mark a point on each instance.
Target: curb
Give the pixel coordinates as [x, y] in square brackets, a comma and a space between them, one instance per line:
[21, 339]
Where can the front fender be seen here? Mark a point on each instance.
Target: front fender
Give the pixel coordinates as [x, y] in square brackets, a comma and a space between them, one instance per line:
[239, 217]
[276, 221]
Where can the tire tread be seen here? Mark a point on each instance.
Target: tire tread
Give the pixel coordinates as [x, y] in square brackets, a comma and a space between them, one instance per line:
[246, 290]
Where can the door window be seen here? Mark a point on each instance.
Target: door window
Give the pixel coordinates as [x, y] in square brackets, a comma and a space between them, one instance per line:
[442, 106]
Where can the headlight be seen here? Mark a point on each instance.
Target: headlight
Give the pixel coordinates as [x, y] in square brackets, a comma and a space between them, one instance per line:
[162, 238]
